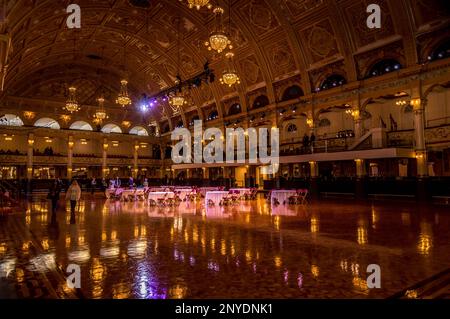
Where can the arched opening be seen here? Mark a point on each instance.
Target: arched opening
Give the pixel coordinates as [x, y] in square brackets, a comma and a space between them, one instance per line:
[193, 119]
[441, 52]
[260, 101]
[331, 82]
[165, 128]
[10, 120]
[111, 128]
[213, 115]
[383, 67]
[234, 109]
[139, 130]
[81, 126]
[292, 92]
[47, 123]
[180, 124]
[291, 129]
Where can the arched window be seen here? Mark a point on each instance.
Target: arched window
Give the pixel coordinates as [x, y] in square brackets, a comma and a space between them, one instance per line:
[47, 123]
[441, 52]
[331, 82]
[111, 128]
[324, 122]
[81, 126]
[260, 101]
[292, 128]
[165, 128]
[383, 67]
[292, 92]
[139, 130]
[10, 120]
[180, 124]
[213, 116]
[235, 109]
[193, 119]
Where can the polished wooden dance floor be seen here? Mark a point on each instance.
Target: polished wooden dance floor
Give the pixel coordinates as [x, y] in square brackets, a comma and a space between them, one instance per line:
[251, 250]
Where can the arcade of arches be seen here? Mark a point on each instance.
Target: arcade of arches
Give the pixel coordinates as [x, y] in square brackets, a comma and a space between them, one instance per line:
[362, 113]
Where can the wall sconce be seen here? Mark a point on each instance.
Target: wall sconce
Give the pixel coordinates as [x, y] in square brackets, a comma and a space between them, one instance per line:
[419, 156]
[126, 124]
[105, 146]
[48, 140]
[143, 145]
[354, 113]
[29, 115]
[310, 122]
[415, 102]
[83, 141]
[65, 118]
[115, 143]
[30, 141]
[8, 137]
[136, 147]
[71, 144]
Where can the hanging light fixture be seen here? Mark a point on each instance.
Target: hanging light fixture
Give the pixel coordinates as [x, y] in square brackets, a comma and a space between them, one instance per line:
[177, 99]
[230, 76]
[72, 105]
[218, 39]
[100, 114]
[198, 4]
[123, 99]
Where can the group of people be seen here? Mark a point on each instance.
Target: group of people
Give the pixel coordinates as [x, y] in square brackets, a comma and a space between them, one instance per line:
[308, 141]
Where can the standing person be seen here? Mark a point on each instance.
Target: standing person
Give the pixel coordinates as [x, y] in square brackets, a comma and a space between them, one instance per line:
[93, 184]
[117, 182]
[73, 194]
[130, 182]
[305, 142]
[312, 140]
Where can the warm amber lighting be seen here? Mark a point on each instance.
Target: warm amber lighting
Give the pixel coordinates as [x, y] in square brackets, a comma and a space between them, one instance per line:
[415, 102]
[310, 122]
[71, 144]
[123, 99]
[218, 39]
[83, 141]
[198, 4]
[353, 112]
[30, 141]
[100, 114]
[72, 105]
[126, 124]
[177, 100]
[29, 115]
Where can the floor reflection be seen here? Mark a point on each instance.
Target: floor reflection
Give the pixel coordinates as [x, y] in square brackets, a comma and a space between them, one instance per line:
[253, 250]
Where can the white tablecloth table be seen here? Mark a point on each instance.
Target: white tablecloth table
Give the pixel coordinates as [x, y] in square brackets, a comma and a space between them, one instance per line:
[204, 190]
[183, 192]
[282, 196]
[215, 197]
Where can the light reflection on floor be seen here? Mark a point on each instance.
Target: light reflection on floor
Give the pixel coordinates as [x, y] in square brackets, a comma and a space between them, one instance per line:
[252, 250]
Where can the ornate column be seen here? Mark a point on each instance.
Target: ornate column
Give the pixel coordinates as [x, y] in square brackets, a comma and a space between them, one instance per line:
[419, 137]
[70, 145]
[105, 147]
[314, 176]
[420, 148]
[360, 179]
[30, 150]
[135, 159]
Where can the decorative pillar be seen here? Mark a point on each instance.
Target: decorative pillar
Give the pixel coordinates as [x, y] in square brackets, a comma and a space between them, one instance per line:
[314, 176]
[70, 145]
[135, 159]
[105, 158]
[419, 136]
[360, 189]
[420, 148]
[30, 151]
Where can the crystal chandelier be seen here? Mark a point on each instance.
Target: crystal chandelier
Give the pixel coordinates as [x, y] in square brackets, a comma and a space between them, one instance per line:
[177, 100]
[198, 4]
[72, 103]
[230, 77]
[123, 99]
[218, 39]
[100, 114]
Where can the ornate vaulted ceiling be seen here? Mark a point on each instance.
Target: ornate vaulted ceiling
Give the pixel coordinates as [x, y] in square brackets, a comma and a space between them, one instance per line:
[276, 40]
